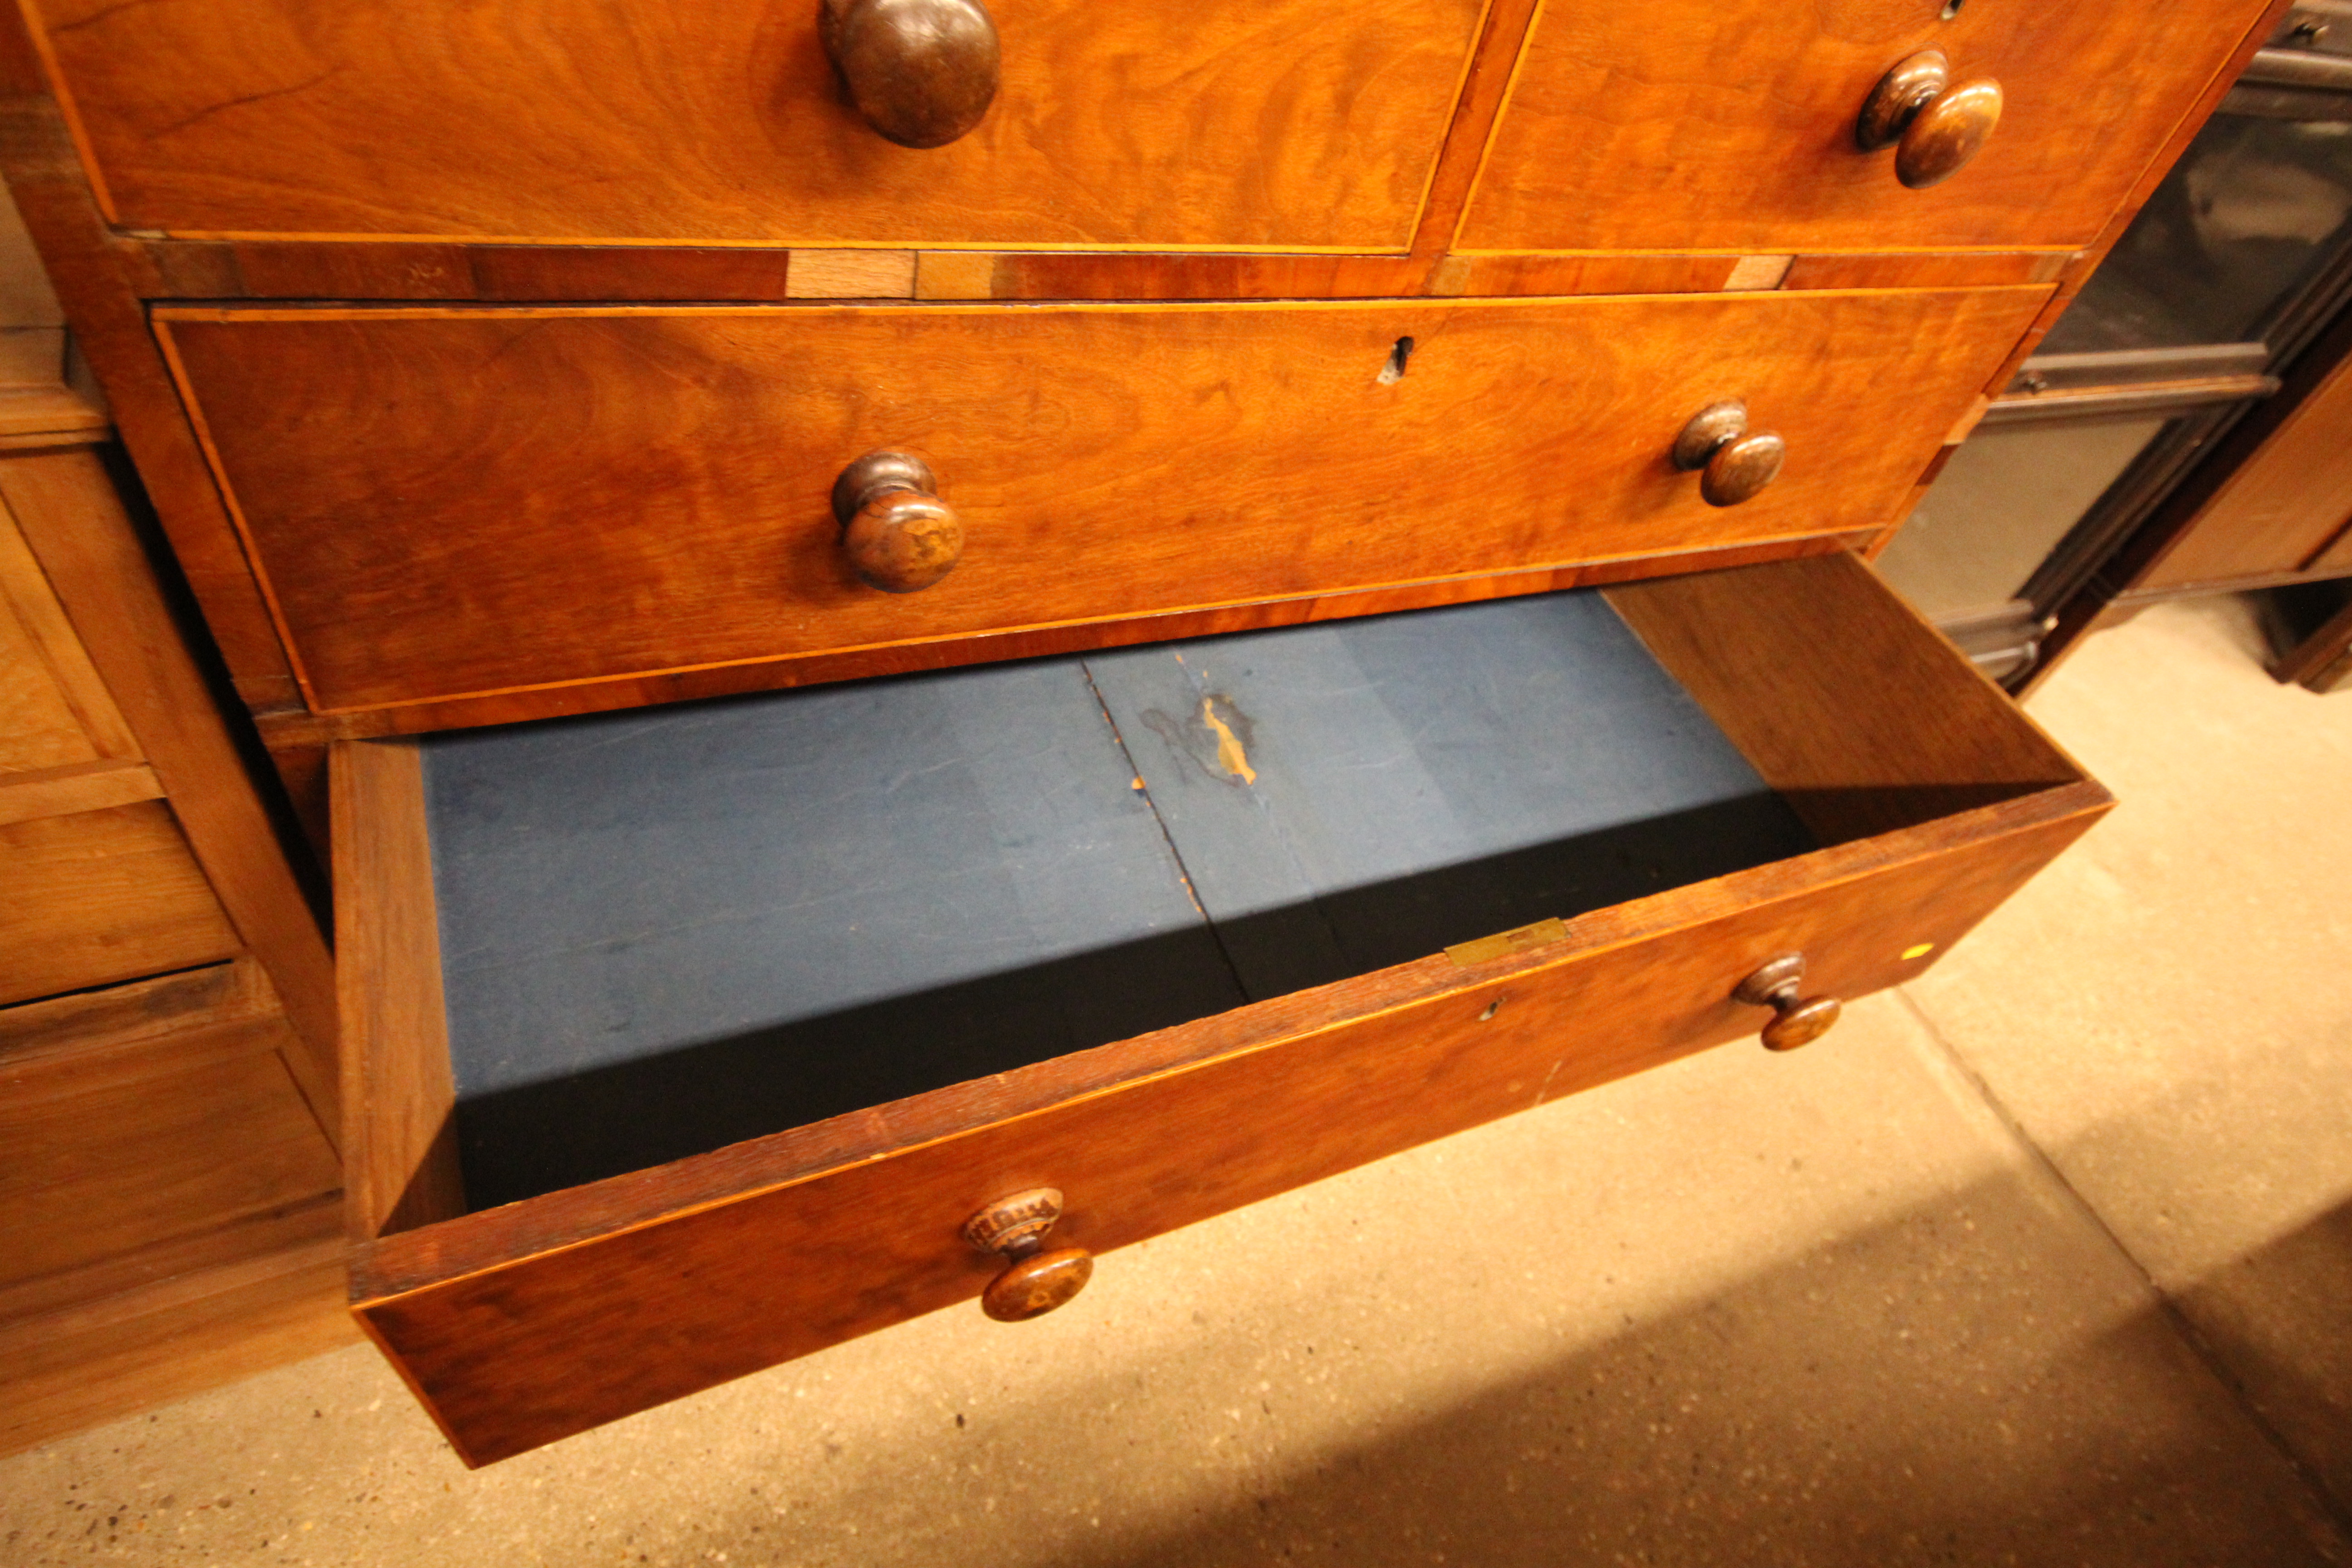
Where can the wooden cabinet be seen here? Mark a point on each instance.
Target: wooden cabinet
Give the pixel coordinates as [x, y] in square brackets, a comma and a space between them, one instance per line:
[503, 366]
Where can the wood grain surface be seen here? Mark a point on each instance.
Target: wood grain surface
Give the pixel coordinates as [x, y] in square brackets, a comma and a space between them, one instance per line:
[1927, 734]
[76, 522]
[110, 1148]
[1234, 124]
[2194, 109]
[400, 1143]
[129, 1015]
[76, 786]
[1485, 86]
[54, 710]
[2282, 507]
[49, 411]
[521, 1324]
[1700, 124]
[103, 896]
[92, 271]
[106, 1341]
[437, 512]
[1925, 270]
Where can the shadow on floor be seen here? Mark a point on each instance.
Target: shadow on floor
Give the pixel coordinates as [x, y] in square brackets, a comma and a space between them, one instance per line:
[2281, 1320]
[1981, 1381]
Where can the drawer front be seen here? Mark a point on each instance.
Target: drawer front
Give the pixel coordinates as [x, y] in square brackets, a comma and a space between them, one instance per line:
[1223, 124]
[102, 895]
[443, 503]
[1732, 127]
[125, 1123]
[518, 1355]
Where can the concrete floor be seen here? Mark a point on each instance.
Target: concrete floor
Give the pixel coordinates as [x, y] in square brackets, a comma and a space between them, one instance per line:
[2047, 1259]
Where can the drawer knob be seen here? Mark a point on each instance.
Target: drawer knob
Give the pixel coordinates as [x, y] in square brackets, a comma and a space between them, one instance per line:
[922, 72]
[1934, 127]
[1795, 1020]
[1038, 1281]
[899, 535]
[1734, 463]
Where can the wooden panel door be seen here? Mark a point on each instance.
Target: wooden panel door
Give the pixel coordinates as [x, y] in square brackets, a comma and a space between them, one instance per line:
[1698, 124]
[1227, 123]
[2284, 508]
[450, 502]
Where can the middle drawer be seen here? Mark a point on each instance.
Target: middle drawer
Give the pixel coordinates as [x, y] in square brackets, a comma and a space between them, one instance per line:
[446, 503]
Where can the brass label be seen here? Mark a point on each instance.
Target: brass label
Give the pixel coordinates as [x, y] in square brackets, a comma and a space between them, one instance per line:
[1485, 948]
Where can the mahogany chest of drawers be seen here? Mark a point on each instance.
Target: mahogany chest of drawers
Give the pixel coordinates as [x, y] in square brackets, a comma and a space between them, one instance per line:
[554, 363]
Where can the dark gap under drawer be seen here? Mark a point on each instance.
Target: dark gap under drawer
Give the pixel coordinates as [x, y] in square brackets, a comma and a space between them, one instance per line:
[668, 930]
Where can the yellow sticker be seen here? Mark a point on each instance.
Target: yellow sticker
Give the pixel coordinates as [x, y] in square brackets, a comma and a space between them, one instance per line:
[1922, 950]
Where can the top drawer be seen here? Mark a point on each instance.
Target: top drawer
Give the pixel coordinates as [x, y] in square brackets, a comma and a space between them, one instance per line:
[1733, 126]
[1218, 123]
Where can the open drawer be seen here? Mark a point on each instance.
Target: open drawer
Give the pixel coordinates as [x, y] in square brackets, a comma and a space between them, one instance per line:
[683, 1042]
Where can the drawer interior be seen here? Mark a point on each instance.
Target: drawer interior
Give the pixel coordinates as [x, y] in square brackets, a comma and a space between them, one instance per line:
[631, 939]
[666, 932]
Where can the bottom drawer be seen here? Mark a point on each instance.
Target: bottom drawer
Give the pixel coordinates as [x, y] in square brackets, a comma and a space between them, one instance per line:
[143, 1115]
[681, 1043]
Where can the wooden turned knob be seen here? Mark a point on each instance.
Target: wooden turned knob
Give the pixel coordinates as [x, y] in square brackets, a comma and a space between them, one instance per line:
[1795, 1021]
[1735, 463]
[922, 72]
[1934, 127]
[899, 537]
[1038, 1281]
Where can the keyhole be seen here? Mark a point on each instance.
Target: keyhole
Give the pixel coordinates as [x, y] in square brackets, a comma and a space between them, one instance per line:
[1952, 8]
[1394, 371]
